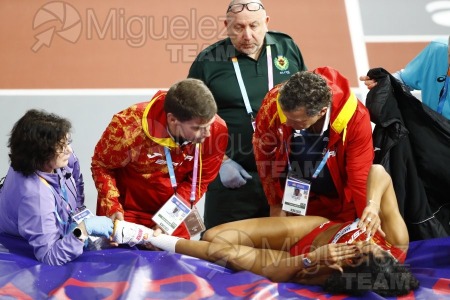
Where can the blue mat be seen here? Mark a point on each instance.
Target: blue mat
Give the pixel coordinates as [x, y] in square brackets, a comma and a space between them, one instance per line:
[129, 273]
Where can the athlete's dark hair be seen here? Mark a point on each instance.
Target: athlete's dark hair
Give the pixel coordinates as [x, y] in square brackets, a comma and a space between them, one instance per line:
[382, 275]
[35, 139]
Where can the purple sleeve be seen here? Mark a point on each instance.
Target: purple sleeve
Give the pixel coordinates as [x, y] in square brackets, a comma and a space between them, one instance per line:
[38, 224]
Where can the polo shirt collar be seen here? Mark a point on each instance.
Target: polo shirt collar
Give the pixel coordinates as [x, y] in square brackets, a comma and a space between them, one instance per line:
[269, 40]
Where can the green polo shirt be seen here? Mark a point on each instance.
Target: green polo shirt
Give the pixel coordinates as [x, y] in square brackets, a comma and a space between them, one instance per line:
[214, 67]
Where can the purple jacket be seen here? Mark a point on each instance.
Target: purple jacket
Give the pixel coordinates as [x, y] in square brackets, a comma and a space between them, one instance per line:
[33, 208]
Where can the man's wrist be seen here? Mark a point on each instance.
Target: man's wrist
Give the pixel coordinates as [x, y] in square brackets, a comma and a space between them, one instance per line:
[226, 161]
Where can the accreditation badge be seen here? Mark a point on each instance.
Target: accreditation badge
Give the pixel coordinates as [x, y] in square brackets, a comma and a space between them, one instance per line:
[92, 242]
[82, 214]
[194, 222]
[172, 214]
[296, 194]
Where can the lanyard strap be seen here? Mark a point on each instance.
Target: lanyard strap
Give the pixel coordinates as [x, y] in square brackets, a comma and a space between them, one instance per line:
[444, 92]
[319, 167]
[194, 174]
[269, 67]
[240, 80]
[64, 193]
[287, 156]
[237, 70]
[58, 217]
[173, 179]
[322, 164]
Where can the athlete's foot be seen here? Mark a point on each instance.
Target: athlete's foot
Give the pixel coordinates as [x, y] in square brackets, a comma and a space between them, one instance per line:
[131, 233]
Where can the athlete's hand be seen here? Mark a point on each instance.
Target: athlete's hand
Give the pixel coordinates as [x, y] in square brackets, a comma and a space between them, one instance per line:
[331, 255]
[370, 220]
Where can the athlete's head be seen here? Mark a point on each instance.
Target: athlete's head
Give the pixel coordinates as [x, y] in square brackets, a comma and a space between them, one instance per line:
[381, 274]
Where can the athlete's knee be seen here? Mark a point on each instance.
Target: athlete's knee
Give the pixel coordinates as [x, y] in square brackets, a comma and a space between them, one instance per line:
[213, 233]
[209, 234]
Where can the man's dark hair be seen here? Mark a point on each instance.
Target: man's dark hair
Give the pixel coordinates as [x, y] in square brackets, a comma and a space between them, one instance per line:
[190, 99]
[307, 90]
[382, 275]
[35, 139]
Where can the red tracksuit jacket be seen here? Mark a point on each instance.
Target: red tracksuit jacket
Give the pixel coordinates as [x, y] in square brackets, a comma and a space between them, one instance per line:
[350, 144]
[129, 165]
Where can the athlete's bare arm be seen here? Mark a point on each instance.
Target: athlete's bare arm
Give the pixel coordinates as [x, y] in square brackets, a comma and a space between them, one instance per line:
[383, 202]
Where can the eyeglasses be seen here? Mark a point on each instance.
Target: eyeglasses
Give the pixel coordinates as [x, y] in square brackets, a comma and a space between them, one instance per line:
[251, 6]
[64, 146]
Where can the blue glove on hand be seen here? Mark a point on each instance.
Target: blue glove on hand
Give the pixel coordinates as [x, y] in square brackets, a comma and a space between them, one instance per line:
[232, 174]
[99, 226]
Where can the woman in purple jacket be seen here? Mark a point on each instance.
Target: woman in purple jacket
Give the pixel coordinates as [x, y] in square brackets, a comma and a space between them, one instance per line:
[43, 194]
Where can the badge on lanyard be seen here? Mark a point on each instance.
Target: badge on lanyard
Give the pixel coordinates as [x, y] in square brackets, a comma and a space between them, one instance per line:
[172, 214]
[296, 194]
[92, 242]
[253, 123]
[82, 214]
[194, 222]
[175, 211]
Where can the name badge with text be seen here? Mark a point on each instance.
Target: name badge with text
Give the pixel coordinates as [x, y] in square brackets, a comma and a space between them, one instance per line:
[296, 194]
[172, 214]
[83, 214]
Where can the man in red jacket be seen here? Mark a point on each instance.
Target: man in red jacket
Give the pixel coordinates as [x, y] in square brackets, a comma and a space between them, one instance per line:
[313, 133]
[131, 163]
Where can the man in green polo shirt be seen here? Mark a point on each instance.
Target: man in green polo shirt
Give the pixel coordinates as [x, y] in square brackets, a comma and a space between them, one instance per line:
[239, 71]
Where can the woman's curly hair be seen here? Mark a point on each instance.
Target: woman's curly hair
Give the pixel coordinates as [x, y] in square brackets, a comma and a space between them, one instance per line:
[381, 275]
[35, 139]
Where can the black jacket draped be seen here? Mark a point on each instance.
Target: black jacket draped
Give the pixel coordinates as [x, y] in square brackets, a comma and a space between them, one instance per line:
[412, 142]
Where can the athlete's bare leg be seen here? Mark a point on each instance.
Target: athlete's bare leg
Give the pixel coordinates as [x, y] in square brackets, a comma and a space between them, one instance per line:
[236, 257]
[277, 233]
[251, 244]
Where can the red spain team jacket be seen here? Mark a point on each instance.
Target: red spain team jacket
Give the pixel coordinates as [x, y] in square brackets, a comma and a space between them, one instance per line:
[129, 164]
[350, 144]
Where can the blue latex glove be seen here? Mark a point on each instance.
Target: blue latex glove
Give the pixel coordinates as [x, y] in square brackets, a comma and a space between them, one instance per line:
[99, 226]
[232, 174]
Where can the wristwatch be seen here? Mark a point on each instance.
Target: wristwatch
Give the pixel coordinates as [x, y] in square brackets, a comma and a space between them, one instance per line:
[79, 234]
[307, 262]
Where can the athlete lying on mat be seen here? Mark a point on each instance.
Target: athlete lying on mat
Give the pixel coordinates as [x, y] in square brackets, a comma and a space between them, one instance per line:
[352, 258]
